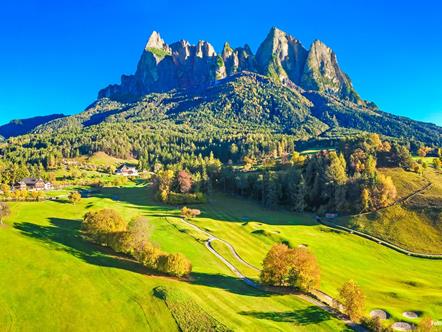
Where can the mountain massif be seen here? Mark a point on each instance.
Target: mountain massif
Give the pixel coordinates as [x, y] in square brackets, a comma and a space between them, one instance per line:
[164, 67]
[283, 88]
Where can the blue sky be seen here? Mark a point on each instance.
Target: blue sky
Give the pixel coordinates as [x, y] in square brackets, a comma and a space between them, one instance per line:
[56, 55]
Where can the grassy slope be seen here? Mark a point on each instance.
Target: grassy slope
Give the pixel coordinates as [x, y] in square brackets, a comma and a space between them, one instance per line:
[390, 280]
[52, 280]
[413, 224]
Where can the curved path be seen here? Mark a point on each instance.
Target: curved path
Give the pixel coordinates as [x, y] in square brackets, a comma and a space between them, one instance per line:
[328, 300]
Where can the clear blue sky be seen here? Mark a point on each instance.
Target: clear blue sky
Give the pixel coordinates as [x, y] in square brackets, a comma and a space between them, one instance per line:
[56, 55]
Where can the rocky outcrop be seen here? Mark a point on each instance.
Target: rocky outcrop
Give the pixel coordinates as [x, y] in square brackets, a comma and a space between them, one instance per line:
[322, 73]
[282, 57]
[165, 67]
[238, 59]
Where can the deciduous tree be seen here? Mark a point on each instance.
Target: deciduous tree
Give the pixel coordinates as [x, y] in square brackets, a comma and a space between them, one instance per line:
[103, 226]
[74, 197]
[184, 181]
[188, 213]
[296, 267]
[175, 264]
[353, 300]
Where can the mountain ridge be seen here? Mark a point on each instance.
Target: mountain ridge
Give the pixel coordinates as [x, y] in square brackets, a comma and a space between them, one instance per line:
[281, 56]
[282, 89]
[18, 127]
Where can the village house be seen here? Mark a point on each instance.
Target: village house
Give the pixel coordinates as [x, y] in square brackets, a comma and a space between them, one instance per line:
[127, 170]
[32, 184]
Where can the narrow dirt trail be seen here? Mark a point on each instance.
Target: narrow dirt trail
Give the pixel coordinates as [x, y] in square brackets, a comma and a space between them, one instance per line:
[303, 296]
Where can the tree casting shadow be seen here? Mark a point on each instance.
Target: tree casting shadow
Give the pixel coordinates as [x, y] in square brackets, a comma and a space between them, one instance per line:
[64, 235]
[307, 316]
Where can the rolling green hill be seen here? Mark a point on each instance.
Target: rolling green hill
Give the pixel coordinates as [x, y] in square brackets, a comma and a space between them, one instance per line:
[54, 286]
[416, 223]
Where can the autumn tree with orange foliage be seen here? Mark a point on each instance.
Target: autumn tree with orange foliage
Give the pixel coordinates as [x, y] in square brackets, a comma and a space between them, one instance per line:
[295, 267]
[353, 300]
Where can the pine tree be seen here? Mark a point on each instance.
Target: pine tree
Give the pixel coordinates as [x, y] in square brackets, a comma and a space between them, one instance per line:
[299, 204]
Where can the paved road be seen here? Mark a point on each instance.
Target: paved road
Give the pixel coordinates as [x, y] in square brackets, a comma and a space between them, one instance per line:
[327, 306]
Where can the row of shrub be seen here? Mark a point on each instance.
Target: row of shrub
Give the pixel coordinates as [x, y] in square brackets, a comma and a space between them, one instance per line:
[106, 227]
[22, 195]
[174, 198]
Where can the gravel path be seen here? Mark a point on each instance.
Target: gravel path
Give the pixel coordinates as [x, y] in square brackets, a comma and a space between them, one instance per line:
[324, 297]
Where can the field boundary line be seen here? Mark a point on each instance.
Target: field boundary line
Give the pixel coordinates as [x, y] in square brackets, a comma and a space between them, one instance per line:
[378, 240]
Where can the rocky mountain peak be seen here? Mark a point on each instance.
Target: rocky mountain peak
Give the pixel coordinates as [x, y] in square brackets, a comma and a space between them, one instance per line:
[322, 73]
[155, 41]
[204, 49]
[280, 56]
[227, 50]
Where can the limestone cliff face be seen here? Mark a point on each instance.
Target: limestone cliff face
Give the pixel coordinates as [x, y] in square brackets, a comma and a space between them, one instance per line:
[238, 59]
[282, 57]
[165, 67]
[322, 73]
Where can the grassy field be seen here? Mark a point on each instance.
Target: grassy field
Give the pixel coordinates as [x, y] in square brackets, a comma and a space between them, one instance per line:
[415, 224]
[52, 280]
[391, 281]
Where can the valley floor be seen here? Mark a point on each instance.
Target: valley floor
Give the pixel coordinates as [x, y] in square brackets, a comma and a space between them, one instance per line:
[53, 280]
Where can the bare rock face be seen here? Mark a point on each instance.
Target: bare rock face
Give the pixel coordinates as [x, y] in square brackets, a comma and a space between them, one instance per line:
[165, 67]
[282, 57]
[238, 59]
[322, 73]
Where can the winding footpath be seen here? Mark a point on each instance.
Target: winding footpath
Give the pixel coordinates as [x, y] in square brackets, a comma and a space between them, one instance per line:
[327, 301]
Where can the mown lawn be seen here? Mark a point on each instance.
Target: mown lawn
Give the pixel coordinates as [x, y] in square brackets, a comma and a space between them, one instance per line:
[390, 280]
[52, 280]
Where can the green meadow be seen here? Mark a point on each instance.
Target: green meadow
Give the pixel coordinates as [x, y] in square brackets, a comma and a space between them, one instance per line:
[52, 280]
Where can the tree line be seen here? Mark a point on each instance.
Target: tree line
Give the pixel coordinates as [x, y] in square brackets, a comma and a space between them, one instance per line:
[106, 227]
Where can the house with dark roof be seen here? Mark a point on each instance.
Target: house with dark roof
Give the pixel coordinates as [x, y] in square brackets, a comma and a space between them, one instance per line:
[127, 171]
[33, 184]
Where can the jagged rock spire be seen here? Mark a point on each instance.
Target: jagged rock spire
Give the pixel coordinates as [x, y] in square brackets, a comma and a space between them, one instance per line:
[280, 56]
[155, 41]
[322, 73]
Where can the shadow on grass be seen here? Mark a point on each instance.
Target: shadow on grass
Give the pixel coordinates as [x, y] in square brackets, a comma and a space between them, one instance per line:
[307, 316]
[231, 284]
[64, 235]
[219, 207]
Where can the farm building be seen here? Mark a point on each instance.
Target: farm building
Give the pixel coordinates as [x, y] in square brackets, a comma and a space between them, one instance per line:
[32, 184]
[127, 171]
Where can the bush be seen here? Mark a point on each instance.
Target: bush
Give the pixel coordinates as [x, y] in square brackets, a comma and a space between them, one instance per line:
[188, 213]
[180, 199]
[4, 211]
[103, 226]
[175, 264]
[374, 324]
[148, 255]
[74, 197]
